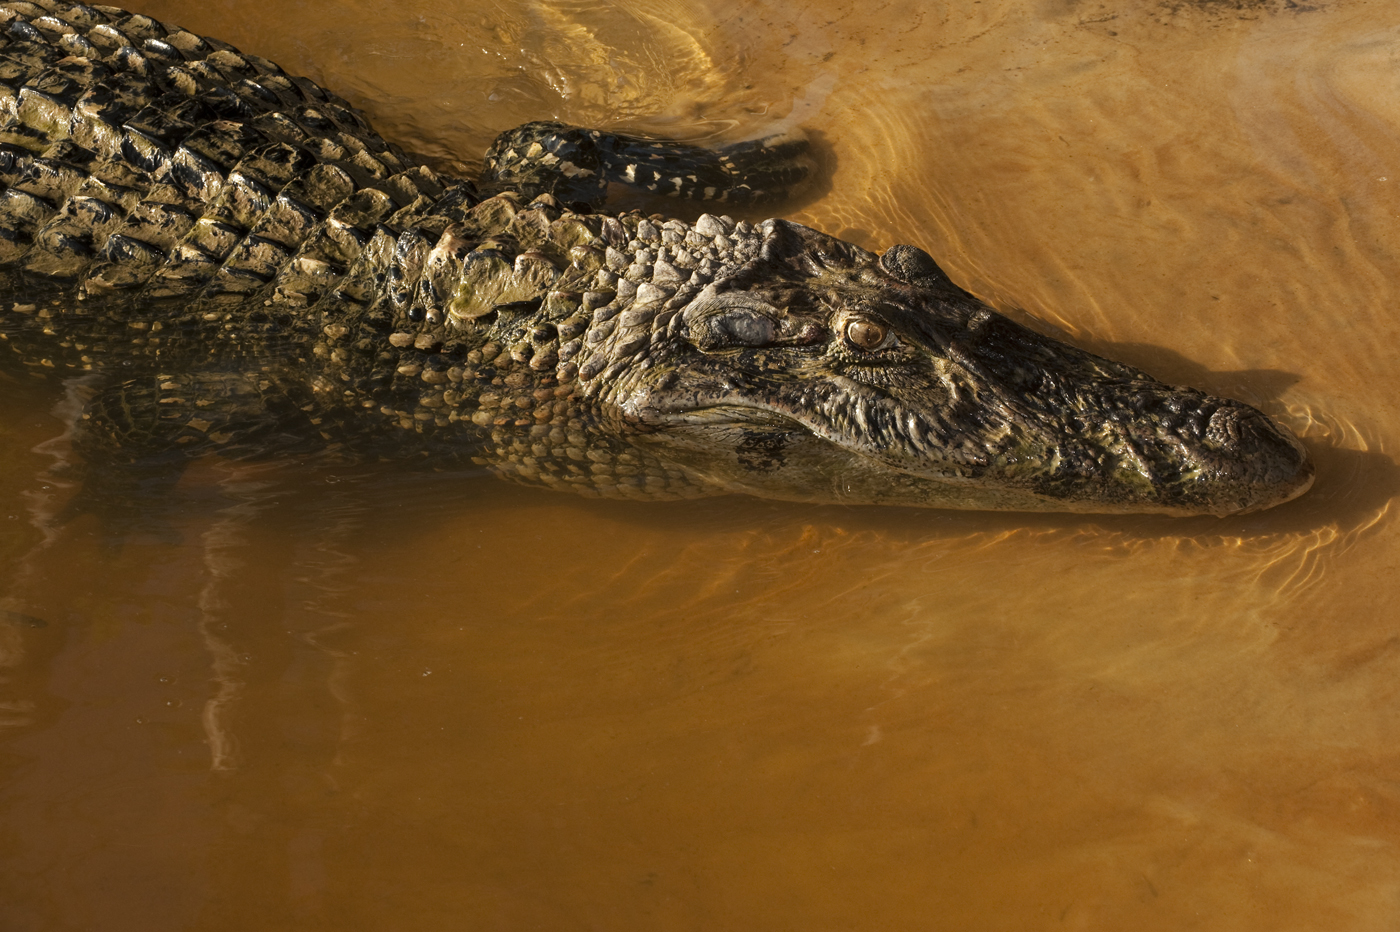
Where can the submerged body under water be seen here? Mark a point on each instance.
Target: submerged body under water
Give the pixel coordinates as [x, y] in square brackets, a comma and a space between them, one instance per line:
[368, 700]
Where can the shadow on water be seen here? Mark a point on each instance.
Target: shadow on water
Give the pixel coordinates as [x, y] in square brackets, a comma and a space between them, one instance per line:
[1258, 387]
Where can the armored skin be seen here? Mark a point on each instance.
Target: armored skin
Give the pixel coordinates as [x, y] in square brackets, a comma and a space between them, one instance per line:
[232, 261]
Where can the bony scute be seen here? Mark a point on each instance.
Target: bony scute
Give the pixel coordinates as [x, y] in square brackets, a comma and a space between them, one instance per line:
[316, 289]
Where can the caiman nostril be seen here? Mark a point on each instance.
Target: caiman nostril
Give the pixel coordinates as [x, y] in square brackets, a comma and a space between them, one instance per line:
[1241, 429]
[1224, 427]
[1247, 447]
[1238, 428]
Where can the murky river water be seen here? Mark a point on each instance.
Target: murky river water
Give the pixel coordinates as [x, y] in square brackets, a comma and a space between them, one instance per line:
[369, 701]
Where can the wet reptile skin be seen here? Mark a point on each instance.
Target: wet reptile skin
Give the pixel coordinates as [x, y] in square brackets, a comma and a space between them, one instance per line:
[233, 261]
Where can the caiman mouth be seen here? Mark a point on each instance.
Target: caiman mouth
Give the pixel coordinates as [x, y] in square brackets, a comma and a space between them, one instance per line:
[738, 417]
[1211, 456]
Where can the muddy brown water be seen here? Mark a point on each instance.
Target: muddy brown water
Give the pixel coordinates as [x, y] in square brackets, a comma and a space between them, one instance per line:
[373, 701]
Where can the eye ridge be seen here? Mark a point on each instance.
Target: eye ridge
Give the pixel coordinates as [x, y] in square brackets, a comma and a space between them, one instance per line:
[865, 334]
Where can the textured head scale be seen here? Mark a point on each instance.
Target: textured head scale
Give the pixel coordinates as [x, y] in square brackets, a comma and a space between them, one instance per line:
[818, 371]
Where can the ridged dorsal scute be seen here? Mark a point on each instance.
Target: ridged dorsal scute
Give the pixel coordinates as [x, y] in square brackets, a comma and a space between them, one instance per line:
[141, 162]
[397, 291]
[641, 284]
[492, 215]
[492, 277]
[441, 274]
[531, 227]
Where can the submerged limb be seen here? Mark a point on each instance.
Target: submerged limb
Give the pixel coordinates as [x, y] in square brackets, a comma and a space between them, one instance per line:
[577, 165]
[135, 438]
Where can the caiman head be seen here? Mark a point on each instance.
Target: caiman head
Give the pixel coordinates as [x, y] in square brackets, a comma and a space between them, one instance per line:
[817, 371]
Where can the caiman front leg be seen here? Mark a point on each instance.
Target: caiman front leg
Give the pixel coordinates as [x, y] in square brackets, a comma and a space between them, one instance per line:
[576, 165]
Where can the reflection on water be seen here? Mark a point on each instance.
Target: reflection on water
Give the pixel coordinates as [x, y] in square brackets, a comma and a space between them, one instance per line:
[312, 698]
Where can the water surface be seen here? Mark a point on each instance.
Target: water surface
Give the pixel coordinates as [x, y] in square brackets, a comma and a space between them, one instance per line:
[368, 700]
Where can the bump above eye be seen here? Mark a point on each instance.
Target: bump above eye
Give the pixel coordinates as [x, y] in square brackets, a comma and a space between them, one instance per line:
[866, 334]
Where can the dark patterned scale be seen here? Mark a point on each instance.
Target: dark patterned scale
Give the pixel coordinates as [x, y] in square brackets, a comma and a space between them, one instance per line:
[262, 271]
[159, 163]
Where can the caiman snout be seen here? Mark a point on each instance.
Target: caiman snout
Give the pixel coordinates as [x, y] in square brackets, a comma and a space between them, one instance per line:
[1099, 435]
[1262, 460]
[1179, 451]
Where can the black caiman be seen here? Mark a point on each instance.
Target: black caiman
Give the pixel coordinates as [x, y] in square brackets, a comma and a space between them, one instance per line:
[232, 261]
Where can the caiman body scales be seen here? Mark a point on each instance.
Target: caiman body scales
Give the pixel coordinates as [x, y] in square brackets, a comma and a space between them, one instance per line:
[235, 262]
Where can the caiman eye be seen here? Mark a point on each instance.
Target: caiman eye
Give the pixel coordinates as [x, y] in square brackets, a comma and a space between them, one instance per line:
[866, 334]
